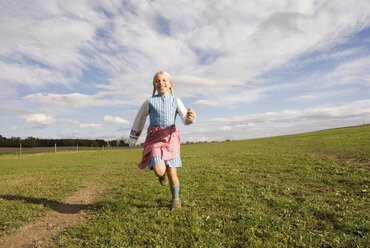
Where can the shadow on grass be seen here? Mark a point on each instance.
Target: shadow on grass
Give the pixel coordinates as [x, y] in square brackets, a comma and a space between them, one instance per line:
[120, 205]
[159, 204]
[60, 207]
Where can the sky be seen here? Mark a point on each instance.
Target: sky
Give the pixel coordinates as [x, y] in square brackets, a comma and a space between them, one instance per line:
[249, 69]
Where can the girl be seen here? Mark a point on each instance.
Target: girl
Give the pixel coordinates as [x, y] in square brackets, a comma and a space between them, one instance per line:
[161, 149]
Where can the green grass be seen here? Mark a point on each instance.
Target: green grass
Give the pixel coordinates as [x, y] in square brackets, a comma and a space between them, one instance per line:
[272, 192]
[31, 184]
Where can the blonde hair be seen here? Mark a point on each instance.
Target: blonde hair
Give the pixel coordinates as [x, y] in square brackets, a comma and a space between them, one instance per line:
[167, 75]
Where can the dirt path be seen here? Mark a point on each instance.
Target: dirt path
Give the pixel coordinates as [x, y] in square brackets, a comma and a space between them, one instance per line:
[358, 162]
[44, 230]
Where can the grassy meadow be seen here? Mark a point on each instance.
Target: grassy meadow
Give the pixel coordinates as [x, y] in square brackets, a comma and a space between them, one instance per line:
[305, 190]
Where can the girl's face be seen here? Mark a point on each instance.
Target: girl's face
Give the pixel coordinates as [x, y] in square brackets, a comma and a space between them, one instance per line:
[162, 84]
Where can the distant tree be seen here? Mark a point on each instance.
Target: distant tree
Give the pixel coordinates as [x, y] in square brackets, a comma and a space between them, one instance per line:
[29, 142]
[2, 141]
[14, 141]
[36, 142]
[122, 142]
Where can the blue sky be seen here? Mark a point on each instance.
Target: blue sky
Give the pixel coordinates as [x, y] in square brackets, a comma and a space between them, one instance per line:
[81, 69]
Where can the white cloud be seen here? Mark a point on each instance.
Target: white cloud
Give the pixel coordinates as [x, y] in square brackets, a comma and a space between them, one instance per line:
[351, 72]
[49, 32]
[205, 102]
[303, 98]
[331, 55]
[131, 112]
[40, 119]
[7, 91]
[29, 75]
[75, 100]
[233, 43]
[221, 54]
[15, 128]
[115, 120]
[280, 122]
[71, 135]
[225, 128]
[321, 94]
[91, 125]
[42, 43]
[352, 110]
[61, 100]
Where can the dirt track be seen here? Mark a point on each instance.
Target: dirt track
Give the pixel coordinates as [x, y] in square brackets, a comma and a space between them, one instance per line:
[43, 231]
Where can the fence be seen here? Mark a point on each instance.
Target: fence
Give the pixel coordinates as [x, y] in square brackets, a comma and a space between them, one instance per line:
[20, 150]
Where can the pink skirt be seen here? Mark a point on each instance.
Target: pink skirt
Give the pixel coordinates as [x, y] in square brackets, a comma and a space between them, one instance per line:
[161, 142]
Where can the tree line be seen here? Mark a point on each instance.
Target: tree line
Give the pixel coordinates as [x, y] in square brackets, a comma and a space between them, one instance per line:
[36, 142]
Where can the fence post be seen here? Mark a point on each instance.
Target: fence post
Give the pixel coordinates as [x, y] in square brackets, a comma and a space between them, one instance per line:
[77, 147]
[55, 148]
[20, 149]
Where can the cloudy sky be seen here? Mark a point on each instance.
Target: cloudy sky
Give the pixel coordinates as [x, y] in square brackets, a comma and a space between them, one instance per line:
[81, 69]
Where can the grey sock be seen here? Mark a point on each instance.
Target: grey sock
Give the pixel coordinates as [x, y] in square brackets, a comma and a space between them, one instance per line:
[175, 192]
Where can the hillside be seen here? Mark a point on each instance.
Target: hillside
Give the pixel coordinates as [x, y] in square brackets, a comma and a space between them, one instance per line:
[304, 190]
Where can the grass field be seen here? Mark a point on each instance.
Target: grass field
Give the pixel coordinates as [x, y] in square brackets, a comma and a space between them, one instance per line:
[306, 190]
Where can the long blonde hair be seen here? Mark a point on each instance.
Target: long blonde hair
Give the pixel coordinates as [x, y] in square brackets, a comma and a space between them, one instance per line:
[167, 75]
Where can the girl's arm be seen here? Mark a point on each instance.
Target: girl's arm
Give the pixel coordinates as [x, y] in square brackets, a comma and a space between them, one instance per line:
[187, 116]
[139, 123]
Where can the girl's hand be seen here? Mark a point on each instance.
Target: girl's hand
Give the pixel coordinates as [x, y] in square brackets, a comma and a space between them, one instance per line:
[132, 142]
[190, 116]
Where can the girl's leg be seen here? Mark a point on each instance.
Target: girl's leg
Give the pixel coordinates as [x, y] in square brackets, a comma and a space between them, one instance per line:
[159, 169]
[175, 188]
[172, 175]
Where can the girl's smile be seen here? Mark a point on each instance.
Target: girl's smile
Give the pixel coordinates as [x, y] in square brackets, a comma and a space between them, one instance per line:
[162, 84]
